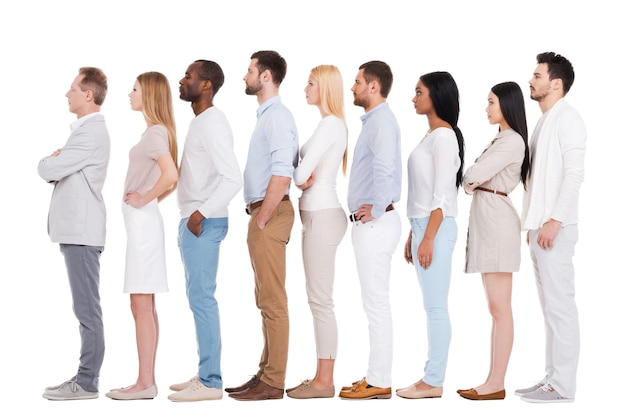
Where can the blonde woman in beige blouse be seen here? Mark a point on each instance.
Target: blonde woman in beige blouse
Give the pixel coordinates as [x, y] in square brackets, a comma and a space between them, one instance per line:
[152, 175]
[494, 233]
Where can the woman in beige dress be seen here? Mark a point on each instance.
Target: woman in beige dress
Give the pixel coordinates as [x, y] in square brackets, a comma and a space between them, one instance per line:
[494, 233]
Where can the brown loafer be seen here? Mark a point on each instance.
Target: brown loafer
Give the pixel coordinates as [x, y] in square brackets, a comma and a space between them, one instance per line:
[473, 395]
[249, 384]
[260, 392]
[361, 390]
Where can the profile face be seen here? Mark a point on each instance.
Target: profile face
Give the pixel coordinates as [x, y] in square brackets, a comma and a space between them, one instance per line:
[360, 91]
[76, 97]
[190, 84]
[422, 101]
[494, 112]
[540, 83]
[312, 91]
[253, 78]
[136, 102]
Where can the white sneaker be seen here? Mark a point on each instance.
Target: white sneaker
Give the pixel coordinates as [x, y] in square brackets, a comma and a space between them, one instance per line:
[68, 391]
[545, 394]
[524, 391]
[196, 392]
[176, 387]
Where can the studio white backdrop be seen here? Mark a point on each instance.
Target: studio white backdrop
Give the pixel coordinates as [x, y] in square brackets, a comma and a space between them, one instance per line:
[480, 43]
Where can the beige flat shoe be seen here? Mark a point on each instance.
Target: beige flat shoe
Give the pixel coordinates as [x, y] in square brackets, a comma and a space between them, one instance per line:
[148, 393]
[413, 393]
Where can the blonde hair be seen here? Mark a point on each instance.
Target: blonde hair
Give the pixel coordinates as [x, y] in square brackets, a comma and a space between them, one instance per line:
[331, 97]
[157, 106]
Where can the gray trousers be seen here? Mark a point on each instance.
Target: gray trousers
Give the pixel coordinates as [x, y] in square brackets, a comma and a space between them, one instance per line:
[83, 271]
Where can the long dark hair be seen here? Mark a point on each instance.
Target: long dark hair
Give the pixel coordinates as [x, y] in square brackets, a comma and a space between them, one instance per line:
[444, 94]
[514, 112]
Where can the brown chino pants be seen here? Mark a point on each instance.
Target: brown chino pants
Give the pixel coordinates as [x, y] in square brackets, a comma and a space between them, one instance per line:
[267, 249]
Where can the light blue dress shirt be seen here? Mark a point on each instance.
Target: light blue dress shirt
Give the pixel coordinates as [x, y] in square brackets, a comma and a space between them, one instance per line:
[273, 149]
[376, 173]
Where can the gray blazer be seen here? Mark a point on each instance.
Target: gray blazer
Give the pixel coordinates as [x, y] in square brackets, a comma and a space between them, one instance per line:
[77, 211]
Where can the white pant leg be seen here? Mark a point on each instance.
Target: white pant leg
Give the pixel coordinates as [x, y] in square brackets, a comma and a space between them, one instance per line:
[374, 243]
[554, 273]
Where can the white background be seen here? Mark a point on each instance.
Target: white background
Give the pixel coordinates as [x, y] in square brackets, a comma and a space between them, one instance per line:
[480, 43]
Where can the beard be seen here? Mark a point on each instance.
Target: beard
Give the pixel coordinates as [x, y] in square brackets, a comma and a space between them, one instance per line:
[361, 101]
[188, 95]
[538, 95]
[253, 89]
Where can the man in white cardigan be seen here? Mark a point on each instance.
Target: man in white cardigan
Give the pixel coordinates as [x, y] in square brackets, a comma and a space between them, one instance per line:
[550, 215]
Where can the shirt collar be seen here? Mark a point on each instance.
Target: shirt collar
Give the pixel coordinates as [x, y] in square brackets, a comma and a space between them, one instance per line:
[78, 122]
[266, 104]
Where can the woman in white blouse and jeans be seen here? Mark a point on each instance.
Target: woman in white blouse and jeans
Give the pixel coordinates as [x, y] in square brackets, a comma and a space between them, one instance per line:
[435, 170]
[324, 222]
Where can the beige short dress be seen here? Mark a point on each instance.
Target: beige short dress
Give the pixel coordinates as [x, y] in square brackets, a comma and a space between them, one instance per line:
[494, 230]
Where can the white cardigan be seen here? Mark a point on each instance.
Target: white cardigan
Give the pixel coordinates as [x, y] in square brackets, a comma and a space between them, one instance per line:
[557, 168]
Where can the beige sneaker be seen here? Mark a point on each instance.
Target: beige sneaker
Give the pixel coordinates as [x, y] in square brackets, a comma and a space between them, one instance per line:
[196, 392]
[177, 387]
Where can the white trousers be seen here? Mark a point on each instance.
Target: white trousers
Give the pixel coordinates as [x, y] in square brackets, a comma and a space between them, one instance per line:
[554, 274]
[374, 243]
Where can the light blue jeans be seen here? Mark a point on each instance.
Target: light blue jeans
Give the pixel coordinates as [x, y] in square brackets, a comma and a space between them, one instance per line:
[200, 257]
[435, 284]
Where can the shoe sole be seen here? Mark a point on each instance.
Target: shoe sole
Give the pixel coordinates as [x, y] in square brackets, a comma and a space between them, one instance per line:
[66, 398]
[194, 400]
[366, 397]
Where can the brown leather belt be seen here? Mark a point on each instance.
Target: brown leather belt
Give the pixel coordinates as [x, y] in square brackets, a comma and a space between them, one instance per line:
[354, 219]
[252, 206]
[483, 189]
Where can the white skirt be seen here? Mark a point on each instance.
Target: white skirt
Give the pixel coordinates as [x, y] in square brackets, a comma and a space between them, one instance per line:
[145, 249]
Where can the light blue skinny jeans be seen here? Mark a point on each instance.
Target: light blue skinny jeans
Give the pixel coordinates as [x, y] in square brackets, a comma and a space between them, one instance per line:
[435, 285]
[200, 257]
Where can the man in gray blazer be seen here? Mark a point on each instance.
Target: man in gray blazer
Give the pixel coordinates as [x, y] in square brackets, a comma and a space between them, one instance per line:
[77, 221]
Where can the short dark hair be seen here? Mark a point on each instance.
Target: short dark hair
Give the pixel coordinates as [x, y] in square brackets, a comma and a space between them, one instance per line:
[94, 80]
[380, 71]
[558, 67]
[272, 61]
[210, 70]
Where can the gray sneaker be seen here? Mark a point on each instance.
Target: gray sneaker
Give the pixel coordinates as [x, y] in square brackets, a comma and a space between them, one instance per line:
[56, 387]
[522, 392]
[545, 394]
[68, 391]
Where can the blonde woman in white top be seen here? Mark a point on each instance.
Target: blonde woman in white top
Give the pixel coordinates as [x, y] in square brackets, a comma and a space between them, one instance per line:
[324, 222]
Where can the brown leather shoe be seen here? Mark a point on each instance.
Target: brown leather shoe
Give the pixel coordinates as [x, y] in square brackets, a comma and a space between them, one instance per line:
[260, 392]
[249, 384]
[362, 390]
[473, 395]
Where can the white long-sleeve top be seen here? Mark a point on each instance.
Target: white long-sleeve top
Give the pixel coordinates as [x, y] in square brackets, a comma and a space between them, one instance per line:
[209, 173]
[322, 154]
[557, 153]
[432, 169]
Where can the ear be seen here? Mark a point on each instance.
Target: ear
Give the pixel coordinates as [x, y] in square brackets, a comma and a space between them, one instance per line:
[374, 87]
[89, 95]
[266, 76]
[557, 84]
[207, 85]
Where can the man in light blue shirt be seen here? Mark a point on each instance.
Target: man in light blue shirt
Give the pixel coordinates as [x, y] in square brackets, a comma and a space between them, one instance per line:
[374, 187]
[272, 158]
